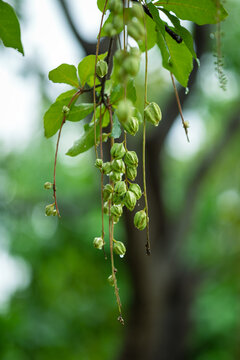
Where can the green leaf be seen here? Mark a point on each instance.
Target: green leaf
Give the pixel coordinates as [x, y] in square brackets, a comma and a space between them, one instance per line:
[131, 91]
[151, 34]
[86, 69]
[79, 112]
[199, 11]
[53, 117]
[66, 74]
[116, 129]
[84, 143]
[182, 31]
[101, 4]
[9, 27]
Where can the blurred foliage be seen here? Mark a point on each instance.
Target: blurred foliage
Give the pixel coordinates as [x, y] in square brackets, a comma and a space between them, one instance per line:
[68, 310]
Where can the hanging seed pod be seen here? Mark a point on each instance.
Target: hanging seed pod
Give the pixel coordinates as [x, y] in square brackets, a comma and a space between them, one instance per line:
[118, 165]
[49, 209]
[140, 220]
[107, 192]
[99, 163]
[54, 213]
[118, 150]
[117, 199]
[119, 56]
[131, 159]
[131, 65]
[110, 280]
[116, 210]
[130, 200]
[98, 243]
[135, 188]
[115, 176]
[106, 168]
[136, 29]
[101, 68]
[119, 248]
[131, 173]
[131, 126]
[124, 111]
[106, 208]
[48, 185]
[110, 30]
[120, 188]
[153, 113]
[134, 51]
[118, 23]
[137, 11]
[115, 6]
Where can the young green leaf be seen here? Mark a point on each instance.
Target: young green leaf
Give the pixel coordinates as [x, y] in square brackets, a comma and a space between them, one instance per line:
[116, 129]
[86, 68]
[151, 34]
[84, 143]
[66, 74]
[10, 33]
[79, 112]
[101, 4]
[199, 11]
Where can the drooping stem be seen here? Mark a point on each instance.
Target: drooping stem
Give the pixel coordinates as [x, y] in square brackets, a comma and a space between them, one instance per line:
[94, 81]
[75, 96]
[147, 245]
[184, 123]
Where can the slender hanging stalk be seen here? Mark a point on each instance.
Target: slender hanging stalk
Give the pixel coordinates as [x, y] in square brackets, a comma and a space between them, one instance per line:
[147, 245]
[184, 123]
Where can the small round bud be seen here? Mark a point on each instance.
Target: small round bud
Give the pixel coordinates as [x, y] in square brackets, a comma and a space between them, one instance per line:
[116, 210]
[118, 165]
[106, 168]
[131, 173]
[124, 111]
[131, 126]
[101, 68]
[107, 192]
[119, 248]
[110, 280]
[65, 110]
[98, 243]
[48, 185]
[131, 159]
[153, 113]
[130, 200]
[131, 65]
[115, 6]
[115, 176]
[118, 150]
[140, 220]
[49, 209]
[99, 163]
[136, 29]
[135, 188]
[120, 188]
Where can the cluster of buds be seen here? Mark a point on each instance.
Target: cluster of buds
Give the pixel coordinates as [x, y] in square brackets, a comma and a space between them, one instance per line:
[116, 8]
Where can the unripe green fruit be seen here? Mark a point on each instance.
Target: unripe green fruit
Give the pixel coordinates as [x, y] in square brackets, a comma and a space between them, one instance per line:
[119, 56]
[115, 176]
[120, 188]
[99, 163]
[98, 243]
[130, 200]
[119, 248]
[118, 165]
[117, 23]
[131, 173]
[153, 113]
[134, 51]
[117, 199]
[106, 168]
[131, 126]
[110, 280]
[135, 188]
[124, 111]
[136, 29]
[49, 209]
[107, 192]
[115, 6]
[137, 11]
[140, 220]
[48, 185]
[101, 68]
[131, 65]
[131, 159]
[110, 30]
[118, 150]
[116, 210]
[65, 110]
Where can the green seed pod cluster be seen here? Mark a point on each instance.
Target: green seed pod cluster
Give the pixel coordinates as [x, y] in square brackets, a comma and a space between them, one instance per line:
[101, 68]
[140, 220]
[119, 248]
[136, 29]
[115, 6]
[118, 150]
[153, 113]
